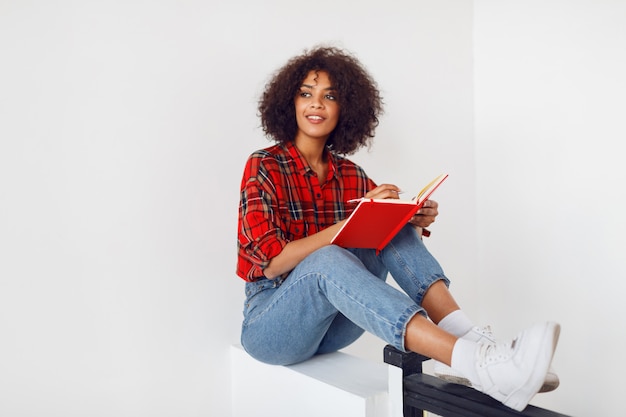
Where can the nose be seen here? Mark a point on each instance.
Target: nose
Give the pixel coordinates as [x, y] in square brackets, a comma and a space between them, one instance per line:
[316, 103]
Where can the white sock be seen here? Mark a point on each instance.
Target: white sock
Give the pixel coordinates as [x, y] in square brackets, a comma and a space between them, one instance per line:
[464, 359]
[456, 323]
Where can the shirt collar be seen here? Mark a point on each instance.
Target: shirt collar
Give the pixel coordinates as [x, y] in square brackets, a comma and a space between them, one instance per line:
[304, 167]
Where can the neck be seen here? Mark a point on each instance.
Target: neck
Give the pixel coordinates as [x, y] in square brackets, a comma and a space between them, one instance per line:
[312, 151]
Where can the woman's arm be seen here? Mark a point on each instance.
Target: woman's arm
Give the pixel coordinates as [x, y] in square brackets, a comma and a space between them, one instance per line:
[294, 252]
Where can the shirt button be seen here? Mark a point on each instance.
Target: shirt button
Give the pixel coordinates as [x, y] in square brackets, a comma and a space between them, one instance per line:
[318, 195]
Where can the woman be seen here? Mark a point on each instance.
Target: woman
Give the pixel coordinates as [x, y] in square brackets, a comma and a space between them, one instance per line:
[305, 296]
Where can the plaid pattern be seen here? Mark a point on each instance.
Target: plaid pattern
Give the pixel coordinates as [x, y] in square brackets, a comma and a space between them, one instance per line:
[282, 200]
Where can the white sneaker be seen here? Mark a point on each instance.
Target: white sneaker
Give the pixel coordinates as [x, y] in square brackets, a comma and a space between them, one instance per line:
[485, 335]
[512, 373]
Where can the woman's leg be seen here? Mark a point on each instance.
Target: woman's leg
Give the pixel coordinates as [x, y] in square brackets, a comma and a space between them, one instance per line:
[289, 323]
[285, 323]
[511, 372]
[342, 332]
[418, 273]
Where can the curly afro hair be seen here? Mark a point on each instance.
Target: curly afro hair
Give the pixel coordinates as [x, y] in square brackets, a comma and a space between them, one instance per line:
[357, 92]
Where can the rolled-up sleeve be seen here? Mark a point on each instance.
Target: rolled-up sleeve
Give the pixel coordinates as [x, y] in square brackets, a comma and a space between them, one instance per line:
[260, 235]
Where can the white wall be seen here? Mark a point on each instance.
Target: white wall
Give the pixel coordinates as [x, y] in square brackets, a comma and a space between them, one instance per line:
[550, 109]
[124, 128]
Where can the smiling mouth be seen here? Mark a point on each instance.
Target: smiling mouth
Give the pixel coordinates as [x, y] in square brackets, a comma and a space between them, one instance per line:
[315, 118]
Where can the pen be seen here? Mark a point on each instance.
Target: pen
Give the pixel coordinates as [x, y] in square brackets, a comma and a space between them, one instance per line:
[356, 200]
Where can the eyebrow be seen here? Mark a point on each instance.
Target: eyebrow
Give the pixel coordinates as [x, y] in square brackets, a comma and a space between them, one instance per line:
[311, 86]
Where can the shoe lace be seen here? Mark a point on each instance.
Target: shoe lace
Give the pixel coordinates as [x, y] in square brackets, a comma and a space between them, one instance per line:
[486, 333]
[495, 352]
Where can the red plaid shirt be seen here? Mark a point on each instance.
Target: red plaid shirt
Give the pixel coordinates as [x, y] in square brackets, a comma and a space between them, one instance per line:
[282, 200]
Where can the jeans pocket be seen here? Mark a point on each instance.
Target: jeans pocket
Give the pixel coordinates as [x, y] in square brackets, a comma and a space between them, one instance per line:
[253, 289]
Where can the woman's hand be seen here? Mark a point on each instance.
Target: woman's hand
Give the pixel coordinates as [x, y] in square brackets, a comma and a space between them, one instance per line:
[426, 215]
[423, 218]
[384, 191]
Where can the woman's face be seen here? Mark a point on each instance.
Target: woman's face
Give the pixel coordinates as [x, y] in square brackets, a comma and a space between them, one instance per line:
[317, 108]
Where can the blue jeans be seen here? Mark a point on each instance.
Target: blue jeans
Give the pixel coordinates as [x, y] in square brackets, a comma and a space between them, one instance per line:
[334, 295]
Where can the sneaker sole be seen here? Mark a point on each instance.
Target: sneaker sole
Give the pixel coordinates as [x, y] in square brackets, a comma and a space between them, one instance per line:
[446, 374]
[519, 399]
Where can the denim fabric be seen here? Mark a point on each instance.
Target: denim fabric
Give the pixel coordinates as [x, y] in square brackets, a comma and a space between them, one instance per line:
[335, 294]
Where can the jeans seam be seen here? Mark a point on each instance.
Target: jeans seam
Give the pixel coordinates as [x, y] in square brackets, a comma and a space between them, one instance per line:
[421, 288]
[378, 316]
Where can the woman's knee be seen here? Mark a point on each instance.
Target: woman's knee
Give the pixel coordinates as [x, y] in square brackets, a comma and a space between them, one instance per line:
[328, 258]
[331, 252]
[410, 235]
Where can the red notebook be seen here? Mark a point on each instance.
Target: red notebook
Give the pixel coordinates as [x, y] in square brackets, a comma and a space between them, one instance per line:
[374, 222]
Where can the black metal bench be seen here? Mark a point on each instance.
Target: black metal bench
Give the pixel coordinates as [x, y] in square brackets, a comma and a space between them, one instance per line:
[422, 392]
